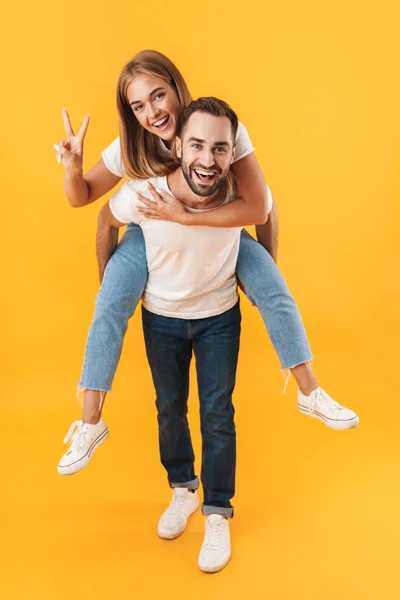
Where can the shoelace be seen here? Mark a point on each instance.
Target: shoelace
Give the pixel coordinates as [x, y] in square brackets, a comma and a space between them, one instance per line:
[76, 435]
[320, 395]
[213, 533]
[177, 503]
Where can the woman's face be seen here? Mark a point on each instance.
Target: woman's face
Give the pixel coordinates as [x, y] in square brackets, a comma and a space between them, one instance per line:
[155, 104]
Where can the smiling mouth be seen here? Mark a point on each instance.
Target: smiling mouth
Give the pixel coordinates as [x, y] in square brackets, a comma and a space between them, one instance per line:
[205, 176]
[161, 124]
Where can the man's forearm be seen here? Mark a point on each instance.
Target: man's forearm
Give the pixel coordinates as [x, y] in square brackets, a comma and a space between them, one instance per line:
[268, 233]
[106, 243]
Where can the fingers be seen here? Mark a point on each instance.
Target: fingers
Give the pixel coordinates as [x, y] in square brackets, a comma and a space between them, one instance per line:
[57, 147]
[156, 204]
[62, 150]
[84, 126]
[145, 200]
[60, 147]
[167, 197]
[67, 123]
[154, 193]
[149, 213]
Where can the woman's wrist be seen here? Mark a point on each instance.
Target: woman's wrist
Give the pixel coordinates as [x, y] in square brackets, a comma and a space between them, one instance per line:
[74, 173]
[188, 218]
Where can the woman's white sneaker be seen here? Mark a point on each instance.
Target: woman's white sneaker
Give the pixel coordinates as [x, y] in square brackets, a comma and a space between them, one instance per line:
[84, 439]
[174, 520]
[216, 549]
[320, 405]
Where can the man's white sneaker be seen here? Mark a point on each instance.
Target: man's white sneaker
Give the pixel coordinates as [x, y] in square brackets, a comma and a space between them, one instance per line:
[321, 406]
[84, 439]
[216, 549]
[174, 520]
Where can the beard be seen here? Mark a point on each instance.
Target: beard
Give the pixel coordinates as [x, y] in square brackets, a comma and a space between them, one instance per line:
[203, 188]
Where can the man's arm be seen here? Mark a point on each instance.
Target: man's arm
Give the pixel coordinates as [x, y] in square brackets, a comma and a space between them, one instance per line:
[268, 233]
[107, 237]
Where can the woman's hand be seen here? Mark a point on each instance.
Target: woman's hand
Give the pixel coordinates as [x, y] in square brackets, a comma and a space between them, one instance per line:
[165, 207]
[70, 151]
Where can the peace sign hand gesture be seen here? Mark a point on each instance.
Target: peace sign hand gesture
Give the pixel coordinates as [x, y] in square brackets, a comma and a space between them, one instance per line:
[70, 151]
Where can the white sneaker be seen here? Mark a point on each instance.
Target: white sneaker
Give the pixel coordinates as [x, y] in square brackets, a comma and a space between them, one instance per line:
[84, 439]
[321, 406]
[174, 520]
[216, 549]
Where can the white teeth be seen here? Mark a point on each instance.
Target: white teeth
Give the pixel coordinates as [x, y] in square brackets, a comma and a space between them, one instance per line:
[204, 173]
[160, 122]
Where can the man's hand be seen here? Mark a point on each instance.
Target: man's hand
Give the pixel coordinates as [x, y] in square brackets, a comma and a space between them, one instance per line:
[164, 207]
[268, 234]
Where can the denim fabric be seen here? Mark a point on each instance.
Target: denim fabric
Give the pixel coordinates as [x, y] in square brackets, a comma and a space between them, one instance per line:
[123, 285]
[170, 343]
[266, 288]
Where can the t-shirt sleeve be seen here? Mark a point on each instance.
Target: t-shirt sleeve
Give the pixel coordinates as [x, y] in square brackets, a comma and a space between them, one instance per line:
[243, 143]
[123, 205]
[112, 158]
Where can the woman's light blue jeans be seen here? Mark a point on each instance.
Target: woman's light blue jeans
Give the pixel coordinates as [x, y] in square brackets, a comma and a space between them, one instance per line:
[123, 285]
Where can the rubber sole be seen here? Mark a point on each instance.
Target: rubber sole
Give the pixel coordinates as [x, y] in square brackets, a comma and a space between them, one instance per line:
[338, 425]
[214, 569]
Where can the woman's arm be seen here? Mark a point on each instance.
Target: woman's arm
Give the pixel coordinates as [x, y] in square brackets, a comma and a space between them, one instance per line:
[81, 190]
[250, 207]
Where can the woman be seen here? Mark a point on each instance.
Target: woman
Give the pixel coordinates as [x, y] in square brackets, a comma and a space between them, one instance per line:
[151, 94]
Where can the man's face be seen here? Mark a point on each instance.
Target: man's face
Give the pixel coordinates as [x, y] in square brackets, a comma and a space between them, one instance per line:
[206, 151]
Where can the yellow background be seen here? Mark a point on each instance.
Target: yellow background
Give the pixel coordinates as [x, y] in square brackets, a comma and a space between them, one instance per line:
[317, 511]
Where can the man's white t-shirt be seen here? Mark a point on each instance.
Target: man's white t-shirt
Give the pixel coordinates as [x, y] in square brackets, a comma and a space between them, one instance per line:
[191, 269]
[112, 155]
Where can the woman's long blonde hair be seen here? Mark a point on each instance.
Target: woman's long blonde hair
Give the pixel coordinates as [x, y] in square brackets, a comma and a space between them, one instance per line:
[141, 153]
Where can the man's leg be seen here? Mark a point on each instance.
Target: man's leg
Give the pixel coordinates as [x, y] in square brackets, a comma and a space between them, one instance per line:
[216, 347]
[169, 352]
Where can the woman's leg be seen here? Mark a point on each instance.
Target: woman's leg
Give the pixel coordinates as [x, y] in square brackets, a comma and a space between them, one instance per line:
[122, 287]
[266, 288]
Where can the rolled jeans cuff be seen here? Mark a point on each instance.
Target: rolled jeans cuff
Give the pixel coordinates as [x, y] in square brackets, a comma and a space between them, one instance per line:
[206, 509]
[190, 485]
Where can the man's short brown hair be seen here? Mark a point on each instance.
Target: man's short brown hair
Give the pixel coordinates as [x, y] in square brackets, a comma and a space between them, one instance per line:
[212, 106]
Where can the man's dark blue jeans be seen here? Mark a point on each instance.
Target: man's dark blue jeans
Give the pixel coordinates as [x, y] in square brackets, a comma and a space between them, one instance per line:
[170, 343]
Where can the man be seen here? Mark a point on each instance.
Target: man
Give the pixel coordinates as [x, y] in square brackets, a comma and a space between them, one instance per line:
[191, 305]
